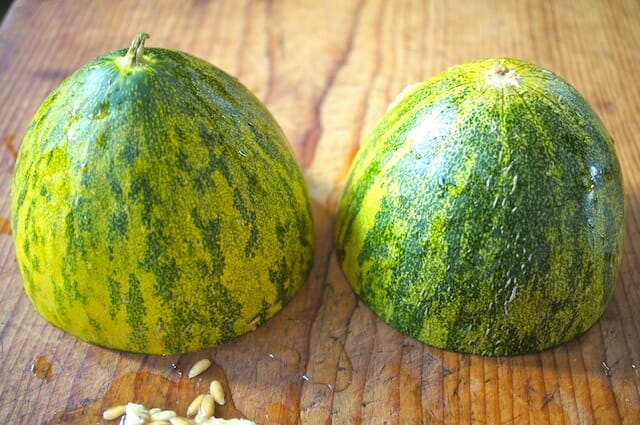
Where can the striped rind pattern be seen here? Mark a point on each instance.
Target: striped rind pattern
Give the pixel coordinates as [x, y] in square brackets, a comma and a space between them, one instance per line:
[158, 208]
[485, 218]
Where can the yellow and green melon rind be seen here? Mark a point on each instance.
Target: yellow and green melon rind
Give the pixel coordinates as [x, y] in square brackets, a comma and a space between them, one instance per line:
[158, 208]
[485, 218]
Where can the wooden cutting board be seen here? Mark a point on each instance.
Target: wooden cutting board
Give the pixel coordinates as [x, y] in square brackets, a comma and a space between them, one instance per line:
[327, 70]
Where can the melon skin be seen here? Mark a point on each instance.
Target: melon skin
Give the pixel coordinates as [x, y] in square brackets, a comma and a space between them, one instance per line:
[484, 213]
[158, 208]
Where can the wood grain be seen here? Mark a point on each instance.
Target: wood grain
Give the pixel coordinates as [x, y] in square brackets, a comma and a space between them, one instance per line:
[327, 70]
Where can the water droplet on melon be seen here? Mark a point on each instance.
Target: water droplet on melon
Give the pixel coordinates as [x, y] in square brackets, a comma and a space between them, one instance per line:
[442, 187]
[100, 112]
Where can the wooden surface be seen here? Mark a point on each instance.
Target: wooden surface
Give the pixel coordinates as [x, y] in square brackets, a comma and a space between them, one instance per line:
[327, 70]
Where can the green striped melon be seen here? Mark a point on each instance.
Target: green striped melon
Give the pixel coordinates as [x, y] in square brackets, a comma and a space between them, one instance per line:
[157, 206]
[484, 213]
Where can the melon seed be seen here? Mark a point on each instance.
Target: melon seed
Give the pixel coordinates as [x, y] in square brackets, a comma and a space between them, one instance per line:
[216, 390]
[195, 405]
[163, 415]
[179, 421]
[207, 407]
[114, 412]
[199, 367]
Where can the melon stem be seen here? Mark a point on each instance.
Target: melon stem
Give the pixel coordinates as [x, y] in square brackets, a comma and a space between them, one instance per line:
[501, 69]
[134, 56]
[500, 76]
